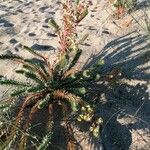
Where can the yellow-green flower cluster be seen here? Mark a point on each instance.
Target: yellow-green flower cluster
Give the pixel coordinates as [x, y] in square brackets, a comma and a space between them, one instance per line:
[87, 113]
[95, 127]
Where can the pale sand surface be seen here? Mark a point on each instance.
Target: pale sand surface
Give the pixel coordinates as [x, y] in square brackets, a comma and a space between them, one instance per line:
[125, 108]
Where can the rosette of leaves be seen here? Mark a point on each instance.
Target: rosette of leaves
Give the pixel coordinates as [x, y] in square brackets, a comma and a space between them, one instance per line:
[128, 4]
[46, 86]
[122, 6]
[51, 87]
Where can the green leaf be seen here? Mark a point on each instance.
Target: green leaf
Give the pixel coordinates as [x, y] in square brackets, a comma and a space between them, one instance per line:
[83, 39]
[45, 141]
[3, 106]
[75, 59]
[18, 92]
[44, 102]
[83, 15]
[4, 81]
[71, 80]
[20, 71]
[10, 57]
[77, 2]
[53, 23]
[62, 63]
[29, 68]
[30, 50]
[74, 106]
[30, 75]
[34, 62]
[35, 66]
[44, 69]
[37, 88]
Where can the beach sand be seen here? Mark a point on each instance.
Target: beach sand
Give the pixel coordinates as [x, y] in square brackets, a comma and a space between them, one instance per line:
[122, 43]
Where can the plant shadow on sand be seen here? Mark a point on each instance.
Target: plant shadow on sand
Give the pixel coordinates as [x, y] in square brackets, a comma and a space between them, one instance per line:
[123, 106]
[122, 95]
[142, 5]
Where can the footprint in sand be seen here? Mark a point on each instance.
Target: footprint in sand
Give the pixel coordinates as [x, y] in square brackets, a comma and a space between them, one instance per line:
[42, 9]
[32, 34]
[45, 26]
[17, 47]
[46, 20]
[13, 41]
[39, 47]
[51, 35]
[5, 23]
[27, 4]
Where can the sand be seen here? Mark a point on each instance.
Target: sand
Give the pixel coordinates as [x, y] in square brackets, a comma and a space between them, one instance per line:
[124, 45]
